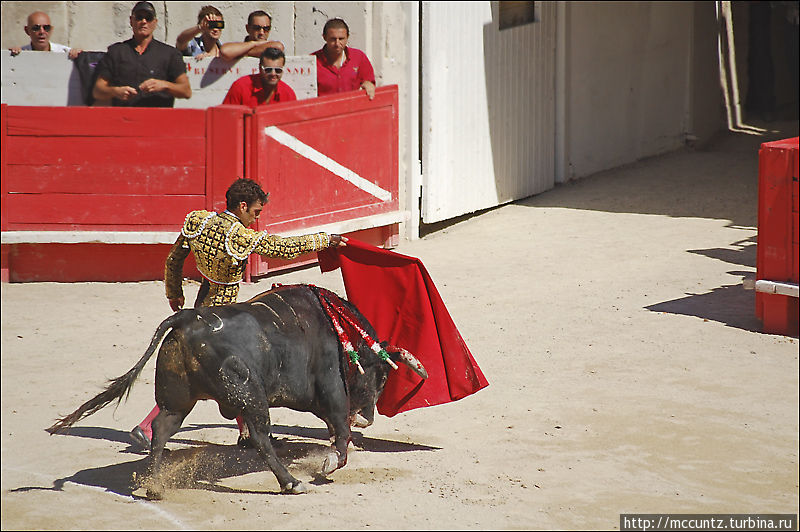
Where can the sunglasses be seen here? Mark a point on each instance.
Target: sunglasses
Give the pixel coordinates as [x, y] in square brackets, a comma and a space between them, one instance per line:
[144, 15]
[45, 27]
[216, 24]
[270, 70]
[256, 27]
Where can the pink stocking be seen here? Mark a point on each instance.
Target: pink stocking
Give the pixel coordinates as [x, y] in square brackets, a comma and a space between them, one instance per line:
[146, 423]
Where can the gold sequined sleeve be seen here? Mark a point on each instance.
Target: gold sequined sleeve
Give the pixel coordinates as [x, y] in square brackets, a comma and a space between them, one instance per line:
[173, 269]
[292, 246]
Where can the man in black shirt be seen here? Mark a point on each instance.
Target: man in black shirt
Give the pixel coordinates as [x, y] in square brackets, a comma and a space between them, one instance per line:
[142, 72]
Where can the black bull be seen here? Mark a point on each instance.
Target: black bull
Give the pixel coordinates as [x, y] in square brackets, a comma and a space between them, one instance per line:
[279, 348]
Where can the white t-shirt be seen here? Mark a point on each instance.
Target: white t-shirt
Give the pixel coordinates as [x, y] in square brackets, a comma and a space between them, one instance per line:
[54, 47]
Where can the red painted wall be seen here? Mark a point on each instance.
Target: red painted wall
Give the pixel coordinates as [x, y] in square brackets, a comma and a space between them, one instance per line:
[350, 130]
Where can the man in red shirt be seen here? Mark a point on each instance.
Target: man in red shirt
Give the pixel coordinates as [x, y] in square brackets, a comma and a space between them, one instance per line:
[339, 67]
[265, 87]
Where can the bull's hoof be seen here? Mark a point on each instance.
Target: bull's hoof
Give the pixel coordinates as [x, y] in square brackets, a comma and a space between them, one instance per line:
[331, 463]
[155, 494]
[295, 488]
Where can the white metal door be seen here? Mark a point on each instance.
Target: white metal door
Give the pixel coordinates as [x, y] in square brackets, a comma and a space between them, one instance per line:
[488, 107]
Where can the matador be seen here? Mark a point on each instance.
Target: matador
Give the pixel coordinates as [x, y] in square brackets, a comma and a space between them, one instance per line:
[221, 243]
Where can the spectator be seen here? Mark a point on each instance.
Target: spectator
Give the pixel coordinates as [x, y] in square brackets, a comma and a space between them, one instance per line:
[142, 72]
[259, 23]
[265, 87]
[341, 68]
[209, 25]
[39, 29]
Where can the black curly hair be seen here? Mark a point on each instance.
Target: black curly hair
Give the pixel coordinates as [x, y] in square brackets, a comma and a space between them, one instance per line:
[272, 53]
[244, 189]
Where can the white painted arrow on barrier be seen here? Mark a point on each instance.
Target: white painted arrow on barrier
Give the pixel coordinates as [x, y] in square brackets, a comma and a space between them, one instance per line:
[326, 162]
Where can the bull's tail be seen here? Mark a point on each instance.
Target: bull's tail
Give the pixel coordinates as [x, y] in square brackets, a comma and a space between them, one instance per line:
[119, 387]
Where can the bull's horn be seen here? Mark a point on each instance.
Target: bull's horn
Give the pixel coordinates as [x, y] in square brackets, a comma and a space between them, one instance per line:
[411, 361]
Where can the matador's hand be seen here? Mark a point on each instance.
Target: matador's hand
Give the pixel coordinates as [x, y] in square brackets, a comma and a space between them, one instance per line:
[176, 303]
[338, 241]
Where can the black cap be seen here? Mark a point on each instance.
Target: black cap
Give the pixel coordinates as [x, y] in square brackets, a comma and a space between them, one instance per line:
[144, 6]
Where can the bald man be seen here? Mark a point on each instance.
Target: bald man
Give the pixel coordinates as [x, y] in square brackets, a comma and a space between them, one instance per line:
[39, 29]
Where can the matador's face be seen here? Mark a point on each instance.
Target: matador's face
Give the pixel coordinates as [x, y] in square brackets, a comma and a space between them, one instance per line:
[249, 214]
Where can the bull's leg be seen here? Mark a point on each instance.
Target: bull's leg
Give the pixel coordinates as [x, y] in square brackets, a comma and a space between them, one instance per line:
[339, 428]
[248, 396]
[335, 414]
[258, 422]
[165, 425]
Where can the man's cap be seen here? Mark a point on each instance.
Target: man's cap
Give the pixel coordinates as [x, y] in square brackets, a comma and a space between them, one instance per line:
[144, 6]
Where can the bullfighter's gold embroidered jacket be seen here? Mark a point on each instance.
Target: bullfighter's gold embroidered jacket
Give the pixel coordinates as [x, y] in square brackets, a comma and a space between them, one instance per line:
[221, 244]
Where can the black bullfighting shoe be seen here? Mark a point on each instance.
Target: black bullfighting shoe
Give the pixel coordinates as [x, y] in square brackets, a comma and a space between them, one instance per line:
[140, 438]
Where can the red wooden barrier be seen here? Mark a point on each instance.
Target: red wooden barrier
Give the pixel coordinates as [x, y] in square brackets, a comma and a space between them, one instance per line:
[4, 250]
[326, 161]
[100, 168]
[99, 194]
[777, 251]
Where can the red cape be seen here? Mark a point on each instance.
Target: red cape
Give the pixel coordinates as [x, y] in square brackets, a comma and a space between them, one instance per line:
[397, 295]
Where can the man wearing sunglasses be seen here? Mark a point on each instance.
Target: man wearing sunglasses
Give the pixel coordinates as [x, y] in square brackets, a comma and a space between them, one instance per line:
[258, 26]
[209, 26]
[142, 72]
[265, 87]
[39, 29]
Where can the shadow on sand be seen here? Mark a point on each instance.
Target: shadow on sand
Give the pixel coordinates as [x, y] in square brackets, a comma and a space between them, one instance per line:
[679, 184]
[204, 464]
[729, 304]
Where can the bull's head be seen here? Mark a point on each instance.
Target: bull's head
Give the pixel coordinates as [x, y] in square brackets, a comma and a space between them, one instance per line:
[366, 387]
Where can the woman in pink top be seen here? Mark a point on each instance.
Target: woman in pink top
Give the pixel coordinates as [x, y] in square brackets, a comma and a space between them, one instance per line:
[341, 68]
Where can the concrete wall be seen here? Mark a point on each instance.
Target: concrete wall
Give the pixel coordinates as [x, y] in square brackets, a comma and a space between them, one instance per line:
[706, 108]
[95, 25]
[635, 86]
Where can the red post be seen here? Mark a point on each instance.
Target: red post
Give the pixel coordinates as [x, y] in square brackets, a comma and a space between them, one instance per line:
[777, 251]
[4, 248]
[224, 151]
[3, 144]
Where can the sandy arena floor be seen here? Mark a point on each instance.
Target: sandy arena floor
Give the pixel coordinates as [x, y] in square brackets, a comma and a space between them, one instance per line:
[627, 372]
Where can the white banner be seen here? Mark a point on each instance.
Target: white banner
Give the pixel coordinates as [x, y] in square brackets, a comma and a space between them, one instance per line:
[212, 77]
[51, 79]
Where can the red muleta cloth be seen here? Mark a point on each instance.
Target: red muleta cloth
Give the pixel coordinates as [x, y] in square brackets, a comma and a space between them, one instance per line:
[397, 295]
